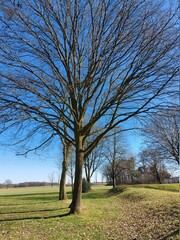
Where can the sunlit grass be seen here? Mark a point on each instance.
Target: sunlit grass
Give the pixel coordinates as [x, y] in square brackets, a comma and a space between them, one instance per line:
[175, 187]
[28, 190]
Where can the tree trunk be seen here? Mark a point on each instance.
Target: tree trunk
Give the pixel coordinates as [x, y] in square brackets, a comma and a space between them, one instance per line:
[114, 182]
[72, 184]
[88, 178]
[87, 169]
[62, 187]
[157, 176]
[75, 207]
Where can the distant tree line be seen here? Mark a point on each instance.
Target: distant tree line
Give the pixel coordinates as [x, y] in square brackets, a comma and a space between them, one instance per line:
[8, 184]
[127, 173]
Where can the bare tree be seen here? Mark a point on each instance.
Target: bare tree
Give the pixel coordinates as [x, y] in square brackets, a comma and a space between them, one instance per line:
[8, 183]
[153, 165]
[127, 175]
[105, 61]
[161, 134]
[94, 160]
[120, 171]
[115, 157]
[63, 166]
[51, 177]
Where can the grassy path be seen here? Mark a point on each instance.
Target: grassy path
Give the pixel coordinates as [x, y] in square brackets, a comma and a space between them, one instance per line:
[128, 213]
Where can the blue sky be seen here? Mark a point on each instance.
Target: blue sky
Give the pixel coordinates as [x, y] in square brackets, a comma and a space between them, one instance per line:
[31, 168]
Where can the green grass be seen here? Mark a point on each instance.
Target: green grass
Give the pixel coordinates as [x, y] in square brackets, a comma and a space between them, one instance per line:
[128, 212]
[168, 187]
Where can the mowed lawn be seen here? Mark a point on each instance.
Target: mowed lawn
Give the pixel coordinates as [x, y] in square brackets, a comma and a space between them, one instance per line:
[140, 212]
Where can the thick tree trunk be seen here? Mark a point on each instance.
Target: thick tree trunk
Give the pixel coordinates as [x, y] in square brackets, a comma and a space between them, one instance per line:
[75, 207]
[62, 187]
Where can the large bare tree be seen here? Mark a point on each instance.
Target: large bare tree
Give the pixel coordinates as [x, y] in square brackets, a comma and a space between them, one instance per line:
[105, 61]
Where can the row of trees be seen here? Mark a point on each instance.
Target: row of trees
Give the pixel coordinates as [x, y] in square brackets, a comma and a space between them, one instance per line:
[159, 153]
[74, 69]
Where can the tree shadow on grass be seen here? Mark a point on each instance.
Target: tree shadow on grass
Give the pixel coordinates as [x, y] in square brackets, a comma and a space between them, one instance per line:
[103, 194]
[35, 211]
[94, 195]
[35, 218]
[27, 204]
[38, 197]
[116, 191]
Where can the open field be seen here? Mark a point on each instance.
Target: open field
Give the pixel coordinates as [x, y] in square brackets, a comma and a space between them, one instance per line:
[127, 213]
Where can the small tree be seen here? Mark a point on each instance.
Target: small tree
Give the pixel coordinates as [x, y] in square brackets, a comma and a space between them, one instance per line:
[51, 177]
[94, 160]
[8, 183]
[86, 186]
[114, 156]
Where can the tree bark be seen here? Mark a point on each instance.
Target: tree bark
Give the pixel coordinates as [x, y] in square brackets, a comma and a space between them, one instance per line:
[75, 207]
[62, 187]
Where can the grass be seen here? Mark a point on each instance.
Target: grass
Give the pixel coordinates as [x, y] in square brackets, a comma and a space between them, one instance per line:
[127, 213]
[168, 187]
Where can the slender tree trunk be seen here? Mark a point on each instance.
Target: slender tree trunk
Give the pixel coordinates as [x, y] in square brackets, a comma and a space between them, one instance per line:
[87, 169]
[88, 175]
[114, 182]
[72, 184]
[114, 159]
[157, 176]
[88, 179]
[62, 187]
[75, 207]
